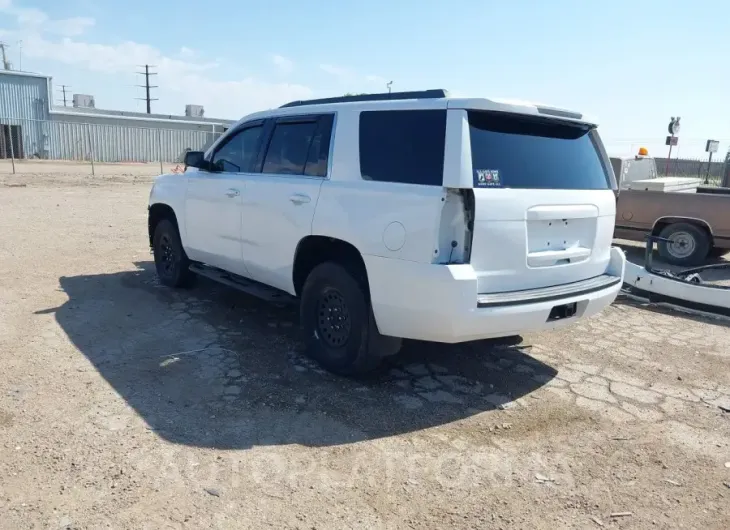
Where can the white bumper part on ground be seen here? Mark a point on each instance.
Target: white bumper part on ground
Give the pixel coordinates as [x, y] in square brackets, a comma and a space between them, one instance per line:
[637, 276]
[441, 303]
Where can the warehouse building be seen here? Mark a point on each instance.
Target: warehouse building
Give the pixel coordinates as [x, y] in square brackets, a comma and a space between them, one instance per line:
[32, 127]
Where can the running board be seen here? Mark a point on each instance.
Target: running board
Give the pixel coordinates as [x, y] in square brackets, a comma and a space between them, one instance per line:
[259, 290]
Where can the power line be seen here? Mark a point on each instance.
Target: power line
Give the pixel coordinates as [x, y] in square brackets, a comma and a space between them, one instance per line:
[147, 86]
[63, 91]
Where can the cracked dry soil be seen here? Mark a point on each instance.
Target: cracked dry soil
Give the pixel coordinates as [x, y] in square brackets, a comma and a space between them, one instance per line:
[124, 404]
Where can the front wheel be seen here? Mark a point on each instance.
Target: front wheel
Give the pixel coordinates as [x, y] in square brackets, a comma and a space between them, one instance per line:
[171, 262]
[337, 321]
[689, 244]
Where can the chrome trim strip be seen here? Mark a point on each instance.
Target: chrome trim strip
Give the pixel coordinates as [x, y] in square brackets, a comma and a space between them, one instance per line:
[544, 294]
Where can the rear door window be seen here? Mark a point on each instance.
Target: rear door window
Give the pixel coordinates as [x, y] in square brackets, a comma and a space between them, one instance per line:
[513, 151]
[299, 146]
[404, 146]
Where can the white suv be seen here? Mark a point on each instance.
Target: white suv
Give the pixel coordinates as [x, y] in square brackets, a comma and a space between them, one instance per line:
[405, 215]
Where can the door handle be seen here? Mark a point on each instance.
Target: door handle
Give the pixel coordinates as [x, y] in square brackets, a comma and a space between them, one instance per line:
[232, 192]
[299, 198]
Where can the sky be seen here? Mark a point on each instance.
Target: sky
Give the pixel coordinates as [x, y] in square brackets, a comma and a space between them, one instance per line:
[630, 65]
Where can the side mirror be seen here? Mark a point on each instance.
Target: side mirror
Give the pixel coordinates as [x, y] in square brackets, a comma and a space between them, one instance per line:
[196, 159]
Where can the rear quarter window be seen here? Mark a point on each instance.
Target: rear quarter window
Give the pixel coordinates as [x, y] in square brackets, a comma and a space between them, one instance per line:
[513, 151]
[404, 146]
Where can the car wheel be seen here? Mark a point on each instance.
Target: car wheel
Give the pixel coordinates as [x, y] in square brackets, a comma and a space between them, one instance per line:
[337, 321]
[171, 262]
[689, 244]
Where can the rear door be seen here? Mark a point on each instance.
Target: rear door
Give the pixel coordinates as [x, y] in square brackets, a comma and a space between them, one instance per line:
[280, 198]
[544, 203]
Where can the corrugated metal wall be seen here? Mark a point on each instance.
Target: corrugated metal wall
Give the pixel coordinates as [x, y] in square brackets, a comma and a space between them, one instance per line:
[117, 140]
[24, 102]
[65, 136]
[81, 141]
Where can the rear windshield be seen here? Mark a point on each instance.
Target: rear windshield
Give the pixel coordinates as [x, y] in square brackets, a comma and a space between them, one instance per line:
[511, 151]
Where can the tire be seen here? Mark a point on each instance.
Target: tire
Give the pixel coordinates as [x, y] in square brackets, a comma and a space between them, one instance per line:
[171, 262]
[716, 252]
[344, 346]
[691, 246]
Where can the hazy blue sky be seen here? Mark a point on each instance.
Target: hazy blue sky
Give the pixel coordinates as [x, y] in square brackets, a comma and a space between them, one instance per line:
[632, 65]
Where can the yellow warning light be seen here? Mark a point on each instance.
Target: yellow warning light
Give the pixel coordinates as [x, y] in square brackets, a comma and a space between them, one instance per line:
[643, 151]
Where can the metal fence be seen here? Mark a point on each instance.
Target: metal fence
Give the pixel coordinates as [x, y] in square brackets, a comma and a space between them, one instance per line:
[101, 143]
[710, 173]
[688, 158]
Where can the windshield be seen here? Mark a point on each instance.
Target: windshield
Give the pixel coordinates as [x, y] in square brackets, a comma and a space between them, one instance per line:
[514, 151]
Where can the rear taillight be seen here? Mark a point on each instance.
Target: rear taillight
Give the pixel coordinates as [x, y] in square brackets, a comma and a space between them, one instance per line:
[455, 228]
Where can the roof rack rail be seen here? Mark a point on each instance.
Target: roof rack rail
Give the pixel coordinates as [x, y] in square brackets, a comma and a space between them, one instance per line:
[435, 93]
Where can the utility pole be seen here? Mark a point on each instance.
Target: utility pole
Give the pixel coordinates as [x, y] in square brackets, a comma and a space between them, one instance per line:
[3, 51]
[20, 55]
[63, 91]
[389, 84]
[147, 86]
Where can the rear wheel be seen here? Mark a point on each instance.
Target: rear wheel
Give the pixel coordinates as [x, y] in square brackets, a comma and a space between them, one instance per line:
[171, 262]
[337, 321]
[689, 244]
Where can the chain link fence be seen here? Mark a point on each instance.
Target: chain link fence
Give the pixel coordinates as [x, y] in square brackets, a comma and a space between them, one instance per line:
[99, 144]
[710, 173]
[689, 158]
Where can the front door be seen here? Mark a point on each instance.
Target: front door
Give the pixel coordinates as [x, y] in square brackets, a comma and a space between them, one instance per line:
[214, 198]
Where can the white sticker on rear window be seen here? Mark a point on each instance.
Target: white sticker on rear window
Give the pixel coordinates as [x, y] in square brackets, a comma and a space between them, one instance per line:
[488, 178]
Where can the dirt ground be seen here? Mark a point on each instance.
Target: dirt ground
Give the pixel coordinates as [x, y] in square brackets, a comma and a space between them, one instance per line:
[124, 404]
[61, 170]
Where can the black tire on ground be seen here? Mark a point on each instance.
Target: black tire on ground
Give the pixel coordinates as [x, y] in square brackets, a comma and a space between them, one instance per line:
[337, 320]
[716, 252]
[690, 245]
[171, 262]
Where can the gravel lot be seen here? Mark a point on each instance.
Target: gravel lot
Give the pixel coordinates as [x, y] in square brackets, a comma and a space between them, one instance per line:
[124, 404]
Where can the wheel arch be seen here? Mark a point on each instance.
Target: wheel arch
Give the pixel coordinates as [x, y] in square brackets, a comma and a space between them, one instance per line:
[661, 223]
[313, 250]
[156, 213]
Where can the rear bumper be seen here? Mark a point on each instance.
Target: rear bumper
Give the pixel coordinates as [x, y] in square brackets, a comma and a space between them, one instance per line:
[440, 302]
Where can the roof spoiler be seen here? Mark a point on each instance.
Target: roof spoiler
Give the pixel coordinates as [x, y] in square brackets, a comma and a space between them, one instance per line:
[558, 113]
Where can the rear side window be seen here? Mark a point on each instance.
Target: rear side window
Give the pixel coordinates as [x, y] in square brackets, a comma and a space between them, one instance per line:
[512, 151]
[403, 146]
